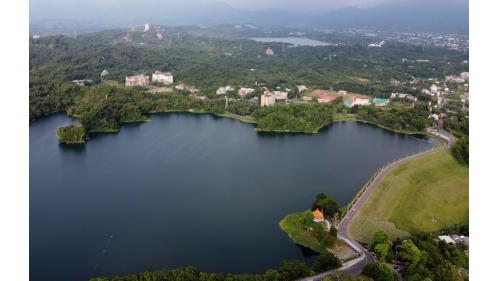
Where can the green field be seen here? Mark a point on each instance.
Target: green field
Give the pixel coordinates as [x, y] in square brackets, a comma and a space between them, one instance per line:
[426, 194]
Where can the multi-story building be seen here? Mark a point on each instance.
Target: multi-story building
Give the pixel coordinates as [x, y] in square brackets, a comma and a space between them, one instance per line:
[165, 78]
[137, 80]
[267, 99]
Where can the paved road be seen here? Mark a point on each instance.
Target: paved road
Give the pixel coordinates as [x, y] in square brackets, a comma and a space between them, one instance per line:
[355, 266]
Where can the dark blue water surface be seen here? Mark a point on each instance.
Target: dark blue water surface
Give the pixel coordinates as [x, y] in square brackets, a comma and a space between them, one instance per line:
[186, 189]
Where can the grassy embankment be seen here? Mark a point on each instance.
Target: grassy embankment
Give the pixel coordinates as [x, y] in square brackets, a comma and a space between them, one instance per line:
[299, 227]
[424, 195]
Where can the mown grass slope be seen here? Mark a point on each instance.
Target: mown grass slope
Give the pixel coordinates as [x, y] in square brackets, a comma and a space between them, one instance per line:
[426, 194]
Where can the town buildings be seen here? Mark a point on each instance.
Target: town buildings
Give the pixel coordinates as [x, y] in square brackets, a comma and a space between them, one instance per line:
[267, 99]
[269, 52]
[146, 27]
[165, 78]
[137, 80]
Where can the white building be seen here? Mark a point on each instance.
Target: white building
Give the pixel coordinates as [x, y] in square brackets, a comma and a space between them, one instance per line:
[269, 52]
[343, 92]
[245, 91]
[165, 78]
[280, 95]
[137, 80]
[376, 45]
[301, 88]
[434, 88]
[224, 90]
[435, 116]
[267, 99]
[146, 27]
[360, 101]
[159, 36]
[447, 239]
[411, 98]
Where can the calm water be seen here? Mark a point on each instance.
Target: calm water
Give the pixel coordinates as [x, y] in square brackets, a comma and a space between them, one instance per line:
[187, 190]
[296, 41]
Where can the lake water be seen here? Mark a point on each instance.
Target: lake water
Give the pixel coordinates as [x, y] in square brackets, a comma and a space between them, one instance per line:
[186, 189]
[295, 41]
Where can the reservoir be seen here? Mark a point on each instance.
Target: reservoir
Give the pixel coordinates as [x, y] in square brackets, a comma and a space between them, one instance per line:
[295, 41]
[188, 190]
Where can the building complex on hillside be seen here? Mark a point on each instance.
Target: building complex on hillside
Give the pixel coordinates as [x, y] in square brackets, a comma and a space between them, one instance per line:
[165, 78]
[137, 80]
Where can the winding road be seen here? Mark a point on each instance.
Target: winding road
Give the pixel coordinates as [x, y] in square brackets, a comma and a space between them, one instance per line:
[355, 266]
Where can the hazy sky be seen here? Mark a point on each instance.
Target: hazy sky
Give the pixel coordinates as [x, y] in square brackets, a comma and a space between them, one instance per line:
[289, 5]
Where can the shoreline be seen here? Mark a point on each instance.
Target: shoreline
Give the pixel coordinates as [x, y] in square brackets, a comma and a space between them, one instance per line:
[250, 120]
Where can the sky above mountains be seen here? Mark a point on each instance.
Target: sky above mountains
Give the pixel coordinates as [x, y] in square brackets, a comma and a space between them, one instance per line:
[354, 13]
[298, 6]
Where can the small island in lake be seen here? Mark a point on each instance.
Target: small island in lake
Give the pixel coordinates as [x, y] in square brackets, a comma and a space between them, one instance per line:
[317, 230]
[71, 135]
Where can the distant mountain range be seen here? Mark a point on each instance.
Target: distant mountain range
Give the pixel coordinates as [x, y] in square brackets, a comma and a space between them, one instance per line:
[436, 16]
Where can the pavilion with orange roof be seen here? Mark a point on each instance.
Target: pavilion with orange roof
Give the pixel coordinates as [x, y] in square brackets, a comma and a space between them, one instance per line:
[318, 216]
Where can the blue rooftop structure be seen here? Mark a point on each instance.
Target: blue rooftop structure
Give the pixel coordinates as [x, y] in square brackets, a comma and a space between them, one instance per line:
[380, 101]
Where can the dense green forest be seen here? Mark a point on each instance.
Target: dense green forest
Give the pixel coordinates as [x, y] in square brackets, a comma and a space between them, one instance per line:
[421, 257]
[288, 270]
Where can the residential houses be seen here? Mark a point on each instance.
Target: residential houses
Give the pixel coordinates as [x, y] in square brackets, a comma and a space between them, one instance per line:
[269, 52]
